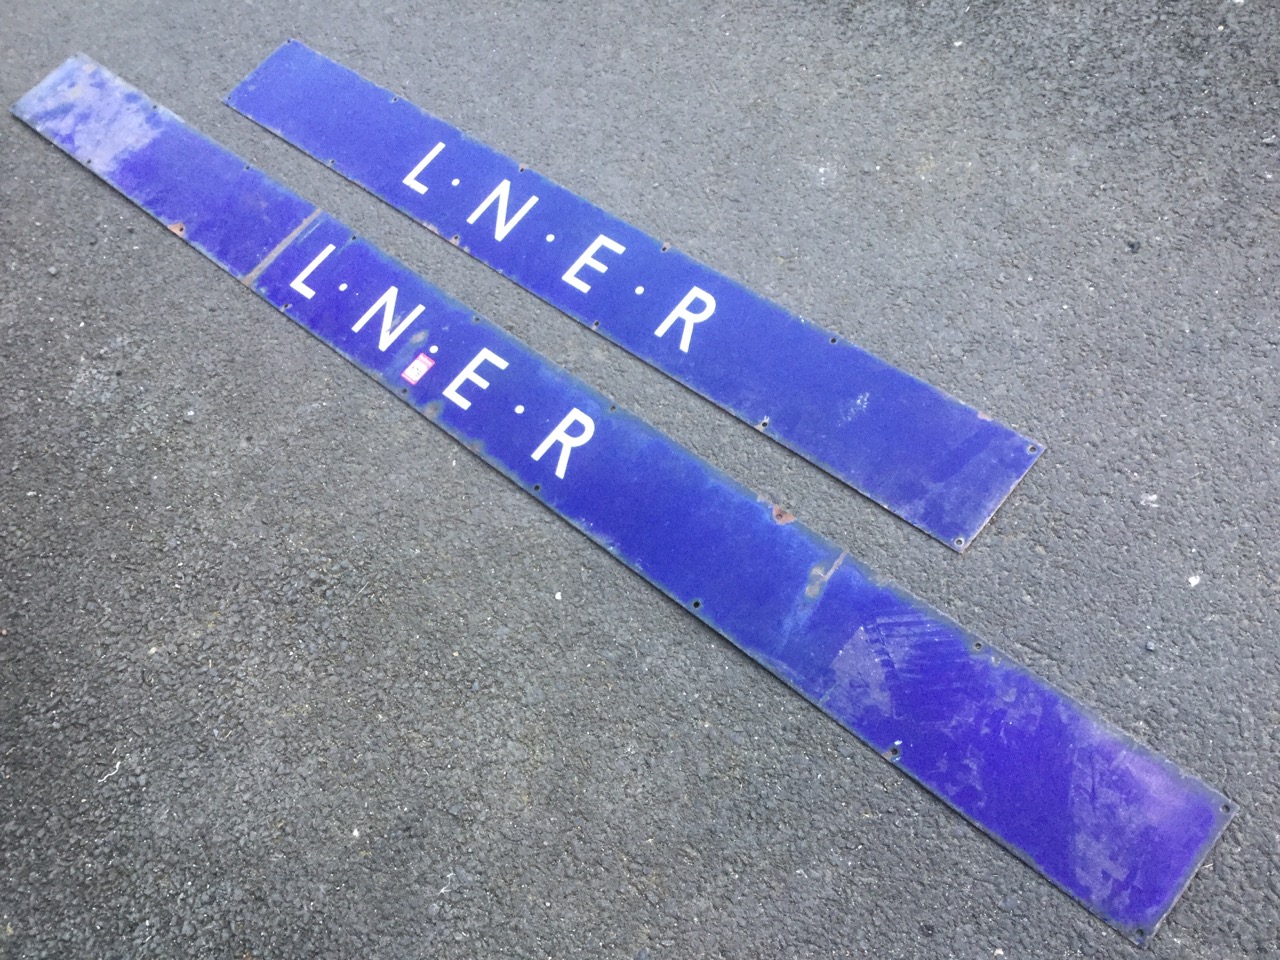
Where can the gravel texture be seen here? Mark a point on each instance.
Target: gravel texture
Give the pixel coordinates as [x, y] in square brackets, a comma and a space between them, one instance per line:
[285, 672]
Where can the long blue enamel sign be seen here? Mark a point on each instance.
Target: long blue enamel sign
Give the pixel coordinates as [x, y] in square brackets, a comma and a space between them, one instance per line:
[1114, 825]
[932, 460]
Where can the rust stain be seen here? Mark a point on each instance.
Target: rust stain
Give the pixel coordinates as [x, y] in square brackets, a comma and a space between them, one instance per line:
[782, 517]
[179, 228]
[818, 578]
[252, 276]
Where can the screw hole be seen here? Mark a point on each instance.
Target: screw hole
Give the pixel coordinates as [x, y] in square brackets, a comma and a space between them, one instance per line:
[455, 238]
[666, 247]
[523, 167]
[833, 339]
[595, 325]
[697, 604]
[1226, 808]
[537, 487]
[613, 407]
[977, 644]
[958, 541]
[475, 319]
[895, 752]
[1033, 449]
[764, 423]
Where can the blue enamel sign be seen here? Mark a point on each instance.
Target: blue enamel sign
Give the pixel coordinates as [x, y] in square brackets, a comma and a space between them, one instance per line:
[1117, 827]
[929, 458]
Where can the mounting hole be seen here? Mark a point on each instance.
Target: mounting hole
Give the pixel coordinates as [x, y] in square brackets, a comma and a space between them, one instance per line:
[895, 752]
[613, 407]
[764, 423]
[1226, 808]
[666, 247]
[697, 604]
[595, 325]
[833, 339]
[537, 487]
[475, 319]
[1032, 448]
[977, 644]
[455, 238]
[958, 541]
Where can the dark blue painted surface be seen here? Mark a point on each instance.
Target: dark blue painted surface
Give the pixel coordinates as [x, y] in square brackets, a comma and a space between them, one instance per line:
[1108, 821]
[910, 447]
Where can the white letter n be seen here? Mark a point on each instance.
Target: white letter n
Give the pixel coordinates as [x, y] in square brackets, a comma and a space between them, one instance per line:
[503, 226]
[387, 304]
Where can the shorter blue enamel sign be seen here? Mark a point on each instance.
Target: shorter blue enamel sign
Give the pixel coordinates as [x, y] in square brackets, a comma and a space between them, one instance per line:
[1114, 825]
[929, 458]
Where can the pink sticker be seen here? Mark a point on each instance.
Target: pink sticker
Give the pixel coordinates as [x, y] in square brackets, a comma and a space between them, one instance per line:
[416, 370]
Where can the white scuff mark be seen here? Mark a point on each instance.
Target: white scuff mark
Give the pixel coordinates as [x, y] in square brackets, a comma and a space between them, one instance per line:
[102, 126]
[355, 832]
[111, 774]
[1193, 579]
[557, 594]
[1149, 499]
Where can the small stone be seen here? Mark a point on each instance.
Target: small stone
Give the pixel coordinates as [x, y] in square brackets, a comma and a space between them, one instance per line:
[1151, 647]
[53, 271]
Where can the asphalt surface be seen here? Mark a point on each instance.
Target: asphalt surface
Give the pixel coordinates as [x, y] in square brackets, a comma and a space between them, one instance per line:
[285, 672]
